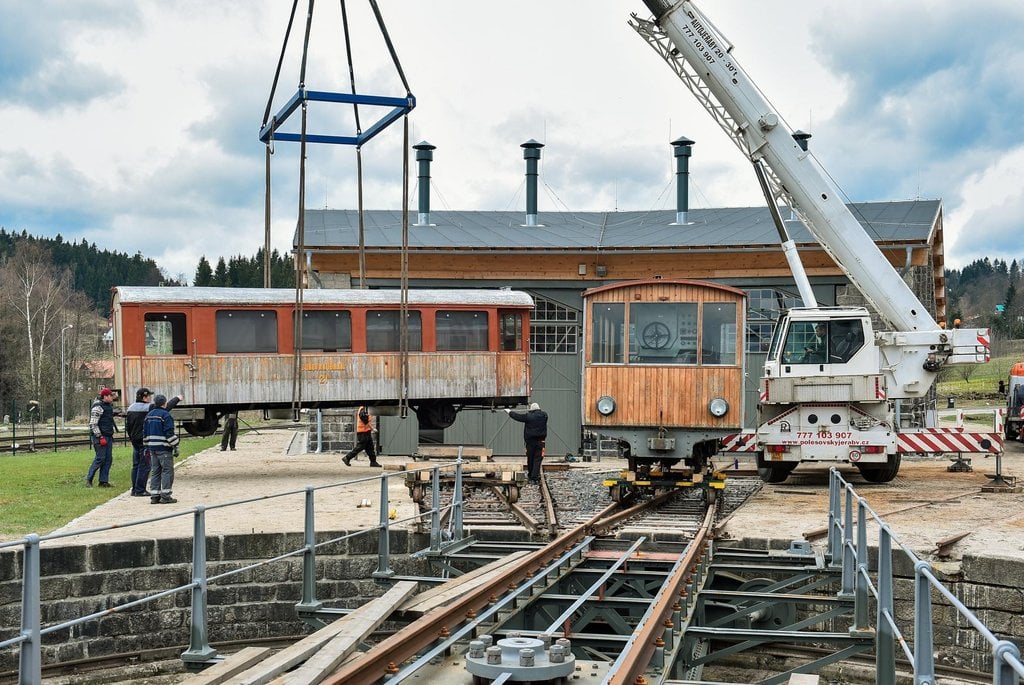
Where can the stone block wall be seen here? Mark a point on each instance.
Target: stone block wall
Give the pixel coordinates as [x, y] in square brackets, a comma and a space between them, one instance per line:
[260, 602]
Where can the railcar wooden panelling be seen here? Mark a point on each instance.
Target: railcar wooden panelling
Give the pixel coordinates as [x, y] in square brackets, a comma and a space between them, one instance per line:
[670, 395]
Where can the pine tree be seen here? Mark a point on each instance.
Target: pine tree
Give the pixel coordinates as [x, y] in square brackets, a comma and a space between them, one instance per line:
[204, 273]
[220, 274]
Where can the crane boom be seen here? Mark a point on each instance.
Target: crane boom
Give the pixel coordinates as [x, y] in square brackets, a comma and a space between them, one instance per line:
[703, 59]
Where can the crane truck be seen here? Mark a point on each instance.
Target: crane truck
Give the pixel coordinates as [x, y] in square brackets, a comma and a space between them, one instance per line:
[832, 385]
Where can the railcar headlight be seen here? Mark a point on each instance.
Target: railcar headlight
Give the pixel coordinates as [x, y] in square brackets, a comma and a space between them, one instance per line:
[718, 407]
[605, 405]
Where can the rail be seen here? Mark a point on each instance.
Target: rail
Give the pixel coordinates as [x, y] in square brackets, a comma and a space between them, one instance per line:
[31, 633]
[848, 548]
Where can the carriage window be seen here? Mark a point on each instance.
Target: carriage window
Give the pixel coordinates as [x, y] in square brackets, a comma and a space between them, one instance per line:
[663, 333]
[608, 333]
[718, 333]
[461, 331]
[246, 331]
[511, 331]
[165, 333]
[328, 331]
[383, 331]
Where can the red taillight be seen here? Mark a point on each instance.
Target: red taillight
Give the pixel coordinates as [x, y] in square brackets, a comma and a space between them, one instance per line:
[872, 449]
[775, 448]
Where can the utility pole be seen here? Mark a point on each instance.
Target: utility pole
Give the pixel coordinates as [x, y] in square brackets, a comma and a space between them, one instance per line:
[62, 371]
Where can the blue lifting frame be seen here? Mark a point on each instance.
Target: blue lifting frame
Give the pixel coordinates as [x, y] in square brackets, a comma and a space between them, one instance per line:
[400, 107]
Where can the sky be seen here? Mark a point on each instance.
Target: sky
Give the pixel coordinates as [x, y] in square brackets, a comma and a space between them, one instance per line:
[134, 125]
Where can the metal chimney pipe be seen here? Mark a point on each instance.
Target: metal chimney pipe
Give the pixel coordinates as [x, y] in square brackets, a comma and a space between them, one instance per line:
[424, 156]
[531, 153]
[683, 149]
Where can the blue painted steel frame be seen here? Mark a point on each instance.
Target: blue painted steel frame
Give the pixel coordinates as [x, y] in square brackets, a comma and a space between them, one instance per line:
[401, 107]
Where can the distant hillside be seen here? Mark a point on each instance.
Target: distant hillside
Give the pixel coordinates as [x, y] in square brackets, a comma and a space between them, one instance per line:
[986, 293]
[94, 271]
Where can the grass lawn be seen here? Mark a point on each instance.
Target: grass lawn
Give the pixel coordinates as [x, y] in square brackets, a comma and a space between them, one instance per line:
[982, 380]
[42, 491]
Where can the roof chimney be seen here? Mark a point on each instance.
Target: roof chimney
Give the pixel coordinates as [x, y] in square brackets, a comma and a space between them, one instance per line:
[424, 156]
[531, 153]
[683, 149]
[801, 139]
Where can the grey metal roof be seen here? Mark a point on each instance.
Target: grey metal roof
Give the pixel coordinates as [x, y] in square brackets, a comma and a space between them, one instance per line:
[909, 221]
[417, 296]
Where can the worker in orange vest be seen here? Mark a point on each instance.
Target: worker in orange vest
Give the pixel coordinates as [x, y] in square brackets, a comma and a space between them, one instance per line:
[364, 438]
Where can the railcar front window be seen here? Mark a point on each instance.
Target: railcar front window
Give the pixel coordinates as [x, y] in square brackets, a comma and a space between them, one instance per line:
[718, 333]
[384, 331]
[609, 332]
[663, 333]
[511, 331]
[165, 333]
[246, 331]
[327, 331]
[461, 331]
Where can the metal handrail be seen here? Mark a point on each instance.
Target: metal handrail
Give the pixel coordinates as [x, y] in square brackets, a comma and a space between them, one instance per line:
[850, 553]
[29, 639]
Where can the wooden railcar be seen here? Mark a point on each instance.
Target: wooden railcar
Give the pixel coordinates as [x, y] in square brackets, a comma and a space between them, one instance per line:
[226, 349]
[663, 369]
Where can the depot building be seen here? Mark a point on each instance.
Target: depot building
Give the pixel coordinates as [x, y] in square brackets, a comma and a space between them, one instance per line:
[556, 256]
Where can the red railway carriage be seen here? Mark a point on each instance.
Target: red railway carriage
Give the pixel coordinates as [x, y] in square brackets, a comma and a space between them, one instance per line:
[227, 349]
[663, 368]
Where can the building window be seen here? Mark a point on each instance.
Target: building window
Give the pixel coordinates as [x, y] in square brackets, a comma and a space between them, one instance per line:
[608, 333]
[461, 331]
[554, 327]
[165, 333]
[384, 332]
[327, 331]
[246, 331]
[764, 307]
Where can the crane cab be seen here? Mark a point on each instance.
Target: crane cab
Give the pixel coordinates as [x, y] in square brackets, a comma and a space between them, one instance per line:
[831, 341]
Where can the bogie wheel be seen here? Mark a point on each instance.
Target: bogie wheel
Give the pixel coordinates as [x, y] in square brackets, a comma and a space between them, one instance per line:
[617, 492]
[202, 428]
[513, 494]
[880, 474]
[436, 415]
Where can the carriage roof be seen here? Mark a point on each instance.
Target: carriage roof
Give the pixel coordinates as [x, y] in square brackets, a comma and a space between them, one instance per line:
[317, 296]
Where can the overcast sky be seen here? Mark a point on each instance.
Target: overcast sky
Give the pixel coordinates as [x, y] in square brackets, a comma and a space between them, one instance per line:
[134, 124]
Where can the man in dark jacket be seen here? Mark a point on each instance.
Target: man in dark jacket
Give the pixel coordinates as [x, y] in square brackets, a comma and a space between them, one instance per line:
[162, 442]
[135, 417]
[535, 432]
[101, 430]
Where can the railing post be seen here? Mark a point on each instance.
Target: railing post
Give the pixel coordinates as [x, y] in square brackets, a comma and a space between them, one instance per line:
[1002, 672]
[924, 657]
[199, 649]
[860, 593]
[834, 540]
[383, 535]
[885, 641]
[435, 509]
[457, 501]
[309, 601]
[30, 663]
[848, 552]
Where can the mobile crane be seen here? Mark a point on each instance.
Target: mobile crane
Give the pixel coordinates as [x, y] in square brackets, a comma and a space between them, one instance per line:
[832, 384]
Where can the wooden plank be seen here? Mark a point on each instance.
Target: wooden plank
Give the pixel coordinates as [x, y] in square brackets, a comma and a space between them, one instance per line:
[350, 630]
[456, 587]
[803, 679]
[452, 451]
[232, 665]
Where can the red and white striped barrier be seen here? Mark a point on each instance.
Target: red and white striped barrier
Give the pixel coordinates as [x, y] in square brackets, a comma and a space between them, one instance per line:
[948, 440]
[740, 442]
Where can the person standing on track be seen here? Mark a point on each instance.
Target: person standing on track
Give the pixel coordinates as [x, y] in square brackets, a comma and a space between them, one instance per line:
[364, 438]
[535, 432]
